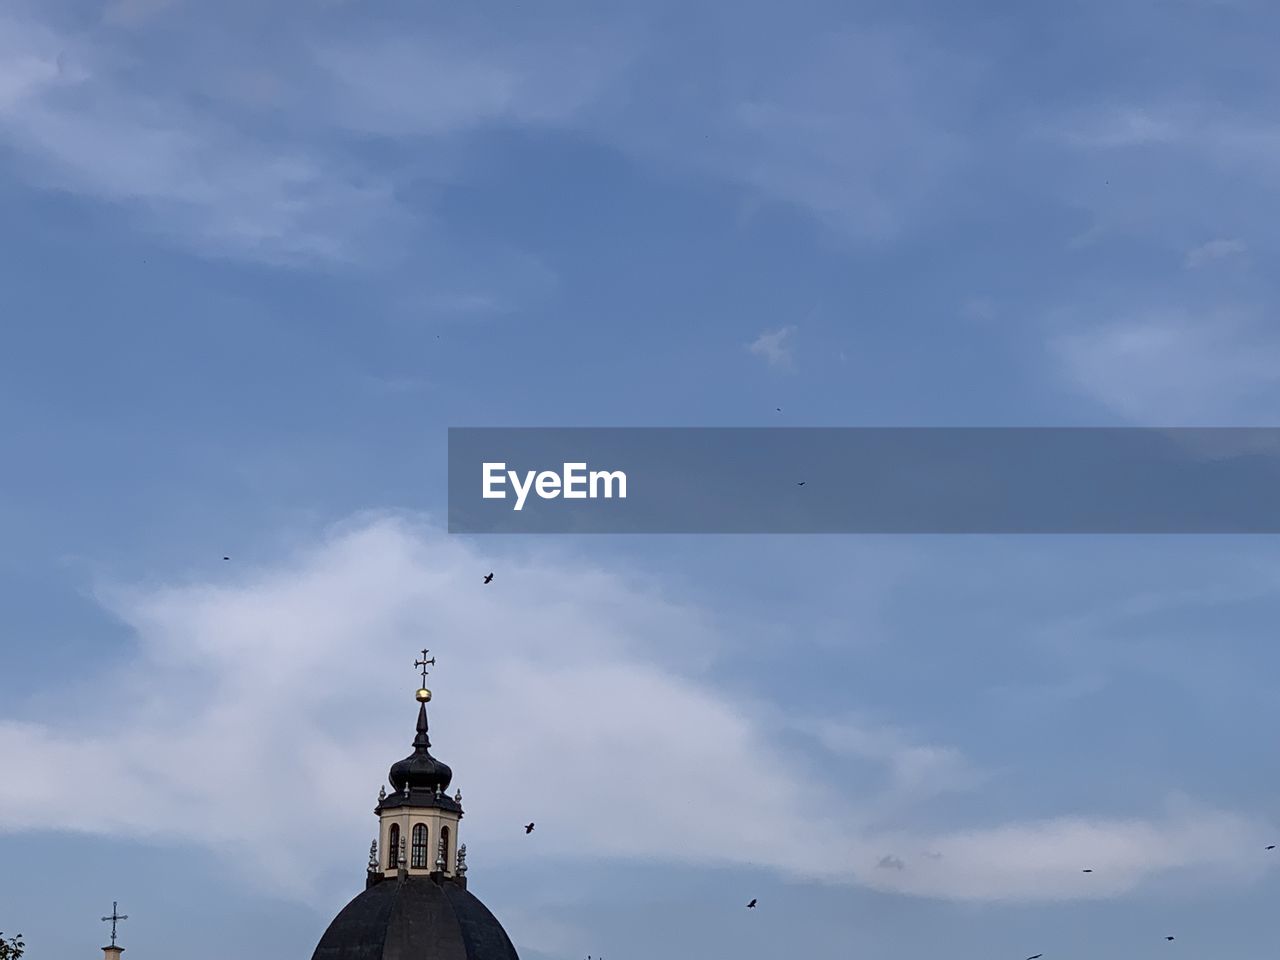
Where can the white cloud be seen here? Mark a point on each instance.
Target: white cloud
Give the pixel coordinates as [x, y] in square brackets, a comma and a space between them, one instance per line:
[774, 346]
[78, 127]
[135, 11]
[270, 706]
[914, 770]
[1129, 168]
[30, 60]
[860, 128]
[1213, 250]
[1122, 127]
[429, 85]
[1175, 368]
[1047, 858]
[81, 118]
[982, 309]
[855, 131]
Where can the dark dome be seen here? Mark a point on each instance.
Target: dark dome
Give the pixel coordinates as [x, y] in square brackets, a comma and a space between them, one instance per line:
[415, 918]
[420, 770]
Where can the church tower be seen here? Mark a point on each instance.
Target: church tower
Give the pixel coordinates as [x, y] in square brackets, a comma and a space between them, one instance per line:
[418, 821]
[415, 905]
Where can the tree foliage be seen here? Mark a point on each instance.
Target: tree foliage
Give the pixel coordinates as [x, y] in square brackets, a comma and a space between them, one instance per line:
[12, 948]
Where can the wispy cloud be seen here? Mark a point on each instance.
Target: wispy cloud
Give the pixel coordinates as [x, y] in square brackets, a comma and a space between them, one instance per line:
[82, 118]
[775, 346]
[981, 309]
[135, 11]
[1047, 857]
[1176, 368]
[859, 127]
[914, 769]
[1213, 250]
[79, 126]
[1121, 127]
[432, 85]
[1163, 170]
[861, 130]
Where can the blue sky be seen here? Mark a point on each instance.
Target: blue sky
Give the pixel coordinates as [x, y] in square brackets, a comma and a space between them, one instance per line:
[258, 257]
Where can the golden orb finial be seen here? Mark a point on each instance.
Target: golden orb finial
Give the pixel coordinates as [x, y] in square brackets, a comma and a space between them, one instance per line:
[423, 694]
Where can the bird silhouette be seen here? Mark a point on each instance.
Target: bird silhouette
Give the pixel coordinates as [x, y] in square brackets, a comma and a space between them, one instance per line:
[488, 578]
[1036, 957]
[226, 558]
[528, 828]
[1272, 847]
[800, 484]
[1086, 870]
[1168, 938]
[752, 904]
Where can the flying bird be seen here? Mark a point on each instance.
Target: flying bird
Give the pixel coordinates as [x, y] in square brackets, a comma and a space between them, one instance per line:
[1272, 847]
[752, 904]
[1168, 938]
[800, 484]
[1086, 870]
[489, 578]
[528, 828]
[226, 558]
[1036, 957]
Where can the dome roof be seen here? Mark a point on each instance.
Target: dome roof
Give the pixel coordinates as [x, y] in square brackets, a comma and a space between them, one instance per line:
[420, 770]
[415, 918]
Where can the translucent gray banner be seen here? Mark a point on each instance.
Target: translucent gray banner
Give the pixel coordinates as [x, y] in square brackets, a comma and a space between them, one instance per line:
[863, 480]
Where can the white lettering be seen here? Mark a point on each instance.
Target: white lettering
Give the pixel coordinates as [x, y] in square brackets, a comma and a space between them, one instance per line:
[575, 483]
[521, 492]
[570, 477]
[491, 477]
[609, 477]
[548, 485]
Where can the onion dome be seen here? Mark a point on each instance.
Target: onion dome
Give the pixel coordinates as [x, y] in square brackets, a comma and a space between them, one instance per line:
[420, 771]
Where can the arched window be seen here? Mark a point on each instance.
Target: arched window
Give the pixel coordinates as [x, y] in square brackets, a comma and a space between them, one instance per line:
[444, 847]
[419, 861]
[393, 846]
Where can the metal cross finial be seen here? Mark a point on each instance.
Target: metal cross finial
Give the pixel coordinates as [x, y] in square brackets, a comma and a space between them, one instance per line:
[115, 917]
[424, 663]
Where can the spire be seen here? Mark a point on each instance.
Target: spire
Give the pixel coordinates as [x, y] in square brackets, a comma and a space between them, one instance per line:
[422, 740]
[420, 771]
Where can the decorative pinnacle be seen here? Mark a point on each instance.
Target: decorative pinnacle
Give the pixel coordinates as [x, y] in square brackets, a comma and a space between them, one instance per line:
[423, 694]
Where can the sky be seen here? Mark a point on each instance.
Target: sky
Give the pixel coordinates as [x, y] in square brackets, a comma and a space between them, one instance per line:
[256, 258]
